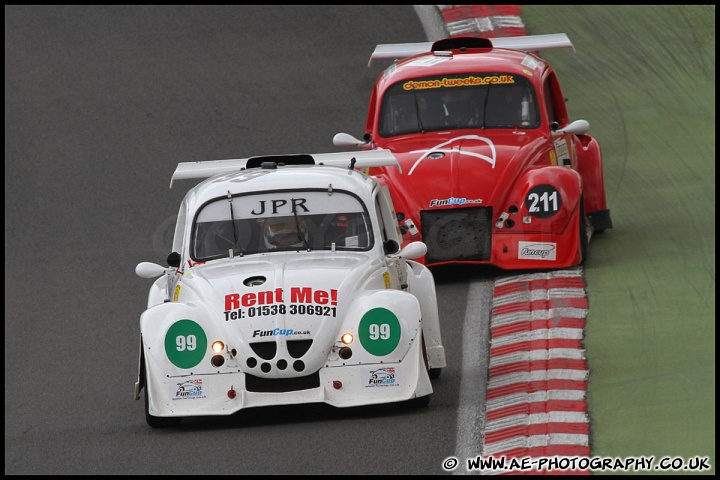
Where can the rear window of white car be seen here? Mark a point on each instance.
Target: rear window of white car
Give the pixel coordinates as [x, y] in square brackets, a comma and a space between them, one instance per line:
[280, 221]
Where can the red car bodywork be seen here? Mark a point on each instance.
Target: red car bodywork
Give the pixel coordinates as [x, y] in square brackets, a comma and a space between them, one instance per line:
[521, 193]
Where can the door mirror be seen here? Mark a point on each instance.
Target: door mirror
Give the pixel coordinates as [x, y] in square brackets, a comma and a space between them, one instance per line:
[173, 259]
[390, 247]
[414, 250]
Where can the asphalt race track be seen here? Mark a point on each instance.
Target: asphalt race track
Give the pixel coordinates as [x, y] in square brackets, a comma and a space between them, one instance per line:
[101, 103]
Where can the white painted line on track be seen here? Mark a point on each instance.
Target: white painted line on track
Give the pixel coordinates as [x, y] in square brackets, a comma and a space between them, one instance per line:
[473, 379]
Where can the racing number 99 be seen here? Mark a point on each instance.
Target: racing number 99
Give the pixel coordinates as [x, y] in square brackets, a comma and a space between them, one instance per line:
[379, 331]
[185, 342]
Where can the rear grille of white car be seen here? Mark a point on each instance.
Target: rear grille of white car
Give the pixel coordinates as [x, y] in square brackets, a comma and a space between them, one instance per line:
[298, 348]
[279, 385]
[268, 350]
[457, 234]
[264, 350]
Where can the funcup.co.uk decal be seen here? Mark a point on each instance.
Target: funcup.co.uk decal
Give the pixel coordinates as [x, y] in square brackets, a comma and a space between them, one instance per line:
[383, 377]
[190, 389]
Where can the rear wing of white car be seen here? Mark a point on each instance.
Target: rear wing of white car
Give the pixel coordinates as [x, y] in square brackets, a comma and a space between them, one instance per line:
[525, 43]
[351, 160]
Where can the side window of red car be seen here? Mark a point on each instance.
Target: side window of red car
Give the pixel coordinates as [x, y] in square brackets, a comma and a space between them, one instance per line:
[555, 101]
[549, 104]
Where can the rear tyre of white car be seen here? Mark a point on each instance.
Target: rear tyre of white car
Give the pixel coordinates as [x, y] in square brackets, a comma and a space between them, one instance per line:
[158, 422]
[424, 401]
[432, 372]
[419, 402]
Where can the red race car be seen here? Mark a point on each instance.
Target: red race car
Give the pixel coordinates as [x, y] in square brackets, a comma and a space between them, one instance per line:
[492, 169]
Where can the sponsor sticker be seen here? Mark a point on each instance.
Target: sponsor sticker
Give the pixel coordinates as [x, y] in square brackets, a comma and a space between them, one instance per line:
[279, 332]
[444, 202]
[537, 250]
[300, 301]
[563, 154]
[383, 377]
[188, 389]
[530, 62]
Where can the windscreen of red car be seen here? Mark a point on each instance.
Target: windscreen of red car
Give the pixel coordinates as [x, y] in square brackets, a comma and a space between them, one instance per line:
[481, 100]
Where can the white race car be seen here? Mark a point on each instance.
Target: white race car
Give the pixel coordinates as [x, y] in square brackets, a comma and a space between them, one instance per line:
[286, 285]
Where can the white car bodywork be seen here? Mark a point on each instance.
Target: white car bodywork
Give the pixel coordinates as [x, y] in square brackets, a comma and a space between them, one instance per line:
[280, 316]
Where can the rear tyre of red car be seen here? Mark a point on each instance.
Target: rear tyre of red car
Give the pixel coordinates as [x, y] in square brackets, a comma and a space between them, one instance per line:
[584, 244]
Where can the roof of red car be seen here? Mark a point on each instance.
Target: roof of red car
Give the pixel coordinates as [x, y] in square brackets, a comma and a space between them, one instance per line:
[492, 60]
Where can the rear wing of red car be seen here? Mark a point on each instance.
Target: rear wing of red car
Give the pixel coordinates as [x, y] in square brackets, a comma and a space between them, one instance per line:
[351, 160]
[525, 43]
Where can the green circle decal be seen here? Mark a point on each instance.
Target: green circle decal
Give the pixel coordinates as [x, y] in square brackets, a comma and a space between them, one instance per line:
[379, 331]
[185, 344]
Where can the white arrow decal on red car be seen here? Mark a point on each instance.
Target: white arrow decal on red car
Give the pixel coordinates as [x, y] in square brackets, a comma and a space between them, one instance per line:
[440, 148]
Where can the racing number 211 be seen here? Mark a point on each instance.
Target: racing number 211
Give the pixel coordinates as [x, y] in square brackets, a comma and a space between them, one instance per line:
[543, 201]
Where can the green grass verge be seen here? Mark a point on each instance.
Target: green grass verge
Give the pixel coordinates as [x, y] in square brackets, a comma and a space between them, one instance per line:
[644, 77]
